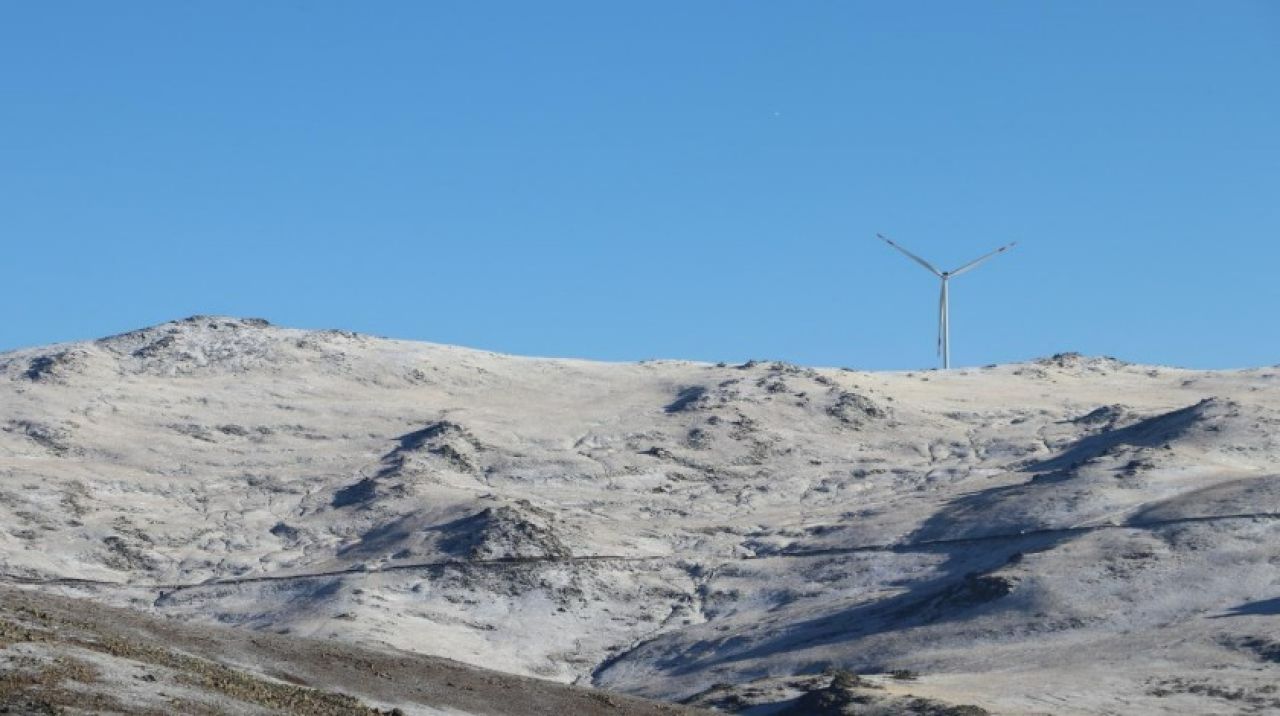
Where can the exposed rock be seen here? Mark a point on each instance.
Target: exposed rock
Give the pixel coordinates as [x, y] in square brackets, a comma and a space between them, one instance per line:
[854, 409]
[506, 531]
[57, 440]
[55, 367]
[686, 399]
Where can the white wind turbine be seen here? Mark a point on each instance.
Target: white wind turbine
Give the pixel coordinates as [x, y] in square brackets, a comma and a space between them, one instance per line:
[944, 323]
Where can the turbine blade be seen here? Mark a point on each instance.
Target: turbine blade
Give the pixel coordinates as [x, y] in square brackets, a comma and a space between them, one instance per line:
[974, 263]
[912, 256]
[942, 317]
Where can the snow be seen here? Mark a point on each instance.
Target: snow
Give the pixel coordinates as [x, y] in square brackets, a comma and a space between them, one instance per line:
[1024, 536]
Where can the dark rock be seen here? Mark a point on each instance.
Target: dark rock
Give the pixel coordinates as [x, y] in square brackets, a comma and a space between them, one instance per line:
[854, 409]
[355, 494]
[686, 399]
[284, 531]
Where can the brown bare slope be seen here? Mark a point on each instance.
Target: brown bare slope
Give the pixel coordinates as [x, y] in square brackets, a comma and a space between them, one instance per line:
[65, 655]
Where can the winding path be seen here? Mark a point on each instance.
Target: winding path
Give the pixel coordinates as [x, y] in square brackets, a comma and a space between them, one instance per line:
[499, 562]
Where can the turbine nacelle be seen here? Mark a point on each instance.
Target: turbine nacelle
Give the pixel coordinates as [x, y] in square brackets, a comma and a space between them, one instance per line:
[944, 318]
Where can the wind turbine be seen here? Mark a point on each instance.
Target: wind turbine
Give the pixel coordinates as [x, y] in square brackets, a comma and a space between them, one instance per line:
[944, 322]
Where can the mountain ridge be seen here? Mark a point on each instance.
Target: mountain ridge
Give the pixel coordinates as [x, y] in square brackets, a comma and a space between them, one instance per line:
[659, 527]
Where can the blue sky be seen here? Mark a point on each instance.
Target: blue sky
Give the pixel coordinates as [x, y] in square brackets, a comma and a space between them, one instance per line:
[651, 179]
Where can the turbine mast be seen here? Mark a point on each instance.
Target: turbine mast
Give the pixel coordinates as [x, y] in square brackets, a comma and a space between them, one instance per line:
[944, 324]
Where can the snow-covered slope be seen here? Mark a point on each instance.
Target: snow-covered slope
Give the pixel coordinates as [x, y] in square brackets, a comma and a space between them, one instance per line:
[1073, 535]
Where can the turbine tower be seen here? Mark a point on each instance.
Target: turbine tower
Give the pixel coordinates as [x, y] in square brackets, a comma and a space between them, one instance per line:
[944, 322]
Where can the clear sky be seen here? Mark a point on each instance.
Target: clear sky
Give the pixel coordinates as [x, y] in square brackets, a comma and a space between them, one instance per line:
[631, 180]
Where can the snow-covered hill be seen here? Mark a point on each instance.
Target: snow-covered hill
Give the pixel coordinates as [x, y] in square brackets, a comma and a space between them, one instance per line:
[1072, 535]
